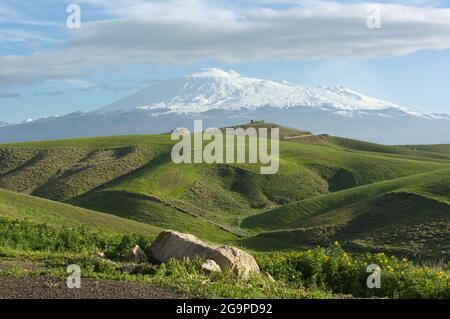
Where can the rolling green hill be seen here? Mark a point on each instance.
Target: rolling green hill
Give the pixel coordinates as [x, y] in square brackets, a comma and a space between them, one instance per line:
[409, 215]
[327, 188]
[151, 211]
[38, 210]
[437, 149]
[434, 185]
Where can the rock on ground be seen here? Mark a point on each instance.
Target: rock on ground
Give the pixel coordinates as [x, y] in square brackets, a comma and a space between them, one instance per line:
[211, 266]
[172, 244]
[136, 255]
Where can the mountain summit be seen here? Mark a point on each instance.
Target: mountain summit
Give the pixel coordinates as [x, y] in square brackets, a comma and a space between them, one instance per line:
[225, 98]
[216, 89]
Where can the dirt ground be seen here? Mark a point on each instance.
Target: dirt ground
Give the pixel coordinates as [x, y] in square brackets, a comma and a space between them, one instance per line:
[43, 287]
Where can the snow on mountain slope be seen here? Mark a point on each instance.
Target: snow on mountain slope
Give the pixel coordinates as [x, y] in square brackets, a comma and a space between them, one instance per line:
[221, 99]
[215, 89]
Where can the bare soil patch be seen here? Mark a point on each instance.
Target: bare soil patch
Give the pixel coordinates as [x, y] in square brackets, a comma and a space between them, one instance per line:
[45, 287]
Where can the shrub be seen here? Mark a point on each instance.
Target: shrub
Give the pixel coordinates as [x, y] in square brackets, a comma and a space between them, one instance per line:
[307, 274]
[27, 236]
[334, 269]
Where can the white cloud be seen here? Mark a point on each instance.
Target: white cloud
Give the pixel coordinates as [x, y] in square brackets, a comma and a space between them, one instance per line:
[189, 31]
[195, 9]
[8, 36]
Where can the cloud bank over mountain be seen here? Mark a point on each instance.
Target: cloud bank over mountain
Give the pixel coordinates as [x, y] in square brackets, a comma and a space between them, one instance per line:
[183, 32]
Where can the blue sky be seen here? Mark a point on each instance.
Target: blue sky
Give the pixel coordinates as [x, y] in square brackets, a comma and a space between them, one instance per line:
[47, 69]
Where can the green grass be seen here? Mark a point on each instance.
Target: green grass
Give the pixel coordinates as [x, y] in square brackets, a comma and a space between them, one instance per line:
[370, 197]
[284, 131]
[70, 168]
[35, 237]
[333, 268]
[152, 212]
[28, 248]
[57, 214]
[225, 192]
[403, 224]
[13, 159]
[365, 167]
[443, 149]
[158, 142]
[61, 174]
[293, 215]
[427, 152]
[159, 177]
[133, 177]
[406, 216]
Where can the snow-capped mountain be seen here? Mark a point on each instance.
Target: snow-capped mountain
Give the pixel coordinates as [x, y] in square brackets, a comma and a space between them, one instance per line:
[223, 98]
[216, 89]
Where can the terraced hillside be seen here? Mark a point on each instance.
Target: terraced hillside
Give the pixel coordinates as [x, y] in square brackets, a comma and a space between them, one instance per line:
[327, 188]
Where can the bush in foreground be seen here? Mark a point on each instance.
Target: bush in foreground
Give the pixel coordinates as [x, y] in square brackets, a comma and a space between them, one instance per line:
[332, 268]
[27, 236]
[307, 274]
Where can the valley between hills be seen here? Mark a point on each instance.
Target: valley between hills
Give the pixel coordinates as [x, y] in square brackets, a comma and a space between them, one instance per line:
[369, 197]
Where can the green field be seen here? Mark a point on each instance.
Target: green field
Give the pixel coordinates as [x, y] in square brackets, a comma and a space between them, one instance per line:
[63, 201]
[327, 188]
[56, 214]
[437, 149]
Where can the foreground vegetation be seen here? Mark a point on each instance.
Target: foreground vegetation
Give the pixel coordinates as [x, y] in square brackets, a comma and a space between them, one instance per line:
[318, 273]
[115, 192]
[327, 189]
[334, 269]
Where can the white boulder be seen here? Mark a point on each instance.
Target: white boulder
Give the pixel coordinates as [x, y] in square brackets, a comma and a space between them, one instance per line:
[136, 255]
[176, 245]
[211, 266]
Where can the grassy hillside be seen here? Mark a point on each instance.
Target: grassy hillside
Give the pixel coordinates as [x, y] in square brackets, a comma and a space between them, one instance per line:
[419, 152]
[66, 169]
[158, 143]
[151, 211]
[408, 216]
[58, 214]
[437, 149]
[365, 167]
[284, 131]
[327, 188]
[434, 185]
[61, 174]
[219, 192]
